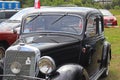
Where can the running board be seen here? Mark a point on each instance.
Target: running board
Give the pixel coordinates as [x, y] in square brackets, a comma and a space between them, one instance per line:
[97, 74]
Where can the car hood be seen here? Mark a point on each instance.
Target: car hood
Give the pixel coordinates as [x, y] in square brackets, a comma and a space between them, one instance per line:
[44, 46]
[8, 26]
[39, 46]
[47, 42]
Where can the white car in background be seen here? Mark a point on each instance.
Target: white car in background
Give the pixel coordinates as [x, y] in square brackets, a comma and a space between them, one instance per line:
[6, 14]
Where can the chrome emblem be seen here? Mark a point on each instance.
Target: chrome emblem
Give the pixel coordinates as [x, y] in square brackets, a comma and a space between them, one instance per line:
[28, 61]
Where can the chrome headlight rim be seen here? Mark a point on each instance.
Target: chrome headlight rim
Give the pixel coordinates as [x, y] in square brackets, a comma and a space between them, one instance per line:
[46, 65]
[16, 67]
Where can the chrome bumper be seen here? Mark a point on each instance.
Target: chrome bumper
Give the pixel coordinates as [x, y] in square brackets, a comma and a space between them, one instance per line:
[18, 77]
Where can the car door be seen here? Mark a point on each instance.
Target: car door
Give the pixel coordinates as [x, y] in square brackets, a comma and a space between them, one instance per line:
[94, 40]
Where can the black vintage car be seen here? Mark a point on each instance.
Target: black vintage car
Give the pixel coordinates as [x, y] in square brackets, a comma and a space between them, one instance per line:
[59, 43]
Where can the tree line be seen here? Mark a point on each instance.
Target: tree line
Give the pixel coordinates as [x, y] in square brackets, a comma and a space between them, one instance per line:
[114, 4]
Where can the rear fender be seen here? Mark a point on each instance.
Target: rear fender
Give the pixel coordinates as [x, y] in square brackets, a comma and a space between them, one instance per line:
[106, 51]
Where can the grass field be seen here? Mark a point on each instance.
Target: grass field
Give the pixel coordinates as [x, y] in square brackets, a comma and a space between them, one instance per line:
[117, 14]
[113, 36]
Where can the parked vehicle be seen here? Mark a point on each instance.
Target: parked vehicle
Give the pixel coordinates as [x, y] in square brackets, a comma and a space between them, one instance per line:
[6, 14]
[109, 19]
[8, 34]
[8, 8]
[59, 43]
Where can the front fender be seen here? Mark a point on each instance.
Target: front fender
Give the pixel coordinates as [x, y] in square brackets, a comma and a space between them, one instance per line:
[71, 72]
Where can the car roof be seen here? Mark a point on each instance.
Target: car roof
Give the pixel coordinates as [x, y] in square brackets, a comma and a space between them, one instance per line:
[84, 10]
[79, 10]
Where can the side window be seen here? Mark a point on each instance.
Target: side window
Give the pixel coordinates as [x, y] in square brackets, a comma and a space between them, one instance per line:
[2, 15]
[91, 26]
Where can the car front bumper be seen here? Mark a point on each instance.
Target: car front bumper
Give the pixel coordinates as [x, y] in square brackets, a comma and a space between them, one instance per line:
[18, 77]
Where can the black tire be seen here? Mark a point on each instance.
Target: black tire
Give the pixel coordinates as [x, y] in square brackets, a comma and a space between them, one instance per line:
[106, 72]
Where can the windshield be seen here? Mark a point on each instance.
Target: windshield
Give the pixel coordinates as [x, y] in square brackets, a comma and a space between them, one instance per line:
[53, 23]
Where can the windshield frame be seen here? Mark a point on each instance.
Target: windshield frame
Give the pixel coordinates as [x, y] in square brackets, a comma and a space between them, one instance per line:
[60, 14]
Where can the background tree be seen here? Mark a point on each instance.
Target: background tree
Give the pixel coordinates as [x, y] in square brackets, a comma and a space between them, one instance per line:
[116, 3]
[89, 3]
[27, 3]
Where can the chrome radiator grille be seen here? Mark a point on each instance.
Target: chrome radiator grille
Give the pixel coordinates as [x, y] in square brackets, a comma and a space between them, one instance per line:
[21, 57]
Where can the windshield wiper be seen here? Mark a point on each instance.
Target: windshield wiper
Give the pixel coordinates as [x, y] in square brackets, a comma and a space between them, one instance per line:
[59, 19]
[33, 18]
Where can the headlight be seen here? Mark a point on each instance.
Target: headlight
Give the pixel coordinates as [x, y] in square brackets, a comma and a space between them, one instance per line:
[46, 64]
[15, 67]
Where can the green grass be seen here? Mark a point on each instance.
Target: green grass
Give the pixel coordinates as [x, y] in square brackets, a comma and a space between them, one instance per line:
[115, 12]
[113, 36]
[114, 73]
[118, 19]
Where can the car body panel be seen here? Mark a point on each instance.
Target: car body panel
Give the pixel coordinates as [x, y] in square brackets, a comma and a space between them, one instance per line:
[9, 37]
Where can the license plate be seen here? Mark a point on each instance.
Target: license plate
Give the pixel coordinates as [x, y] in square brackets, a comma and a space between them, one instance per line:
[109, 24]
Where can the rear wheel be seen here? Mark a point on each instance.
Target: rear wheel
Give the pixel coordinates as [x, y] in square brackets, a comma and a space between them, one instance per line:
[106, 72]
